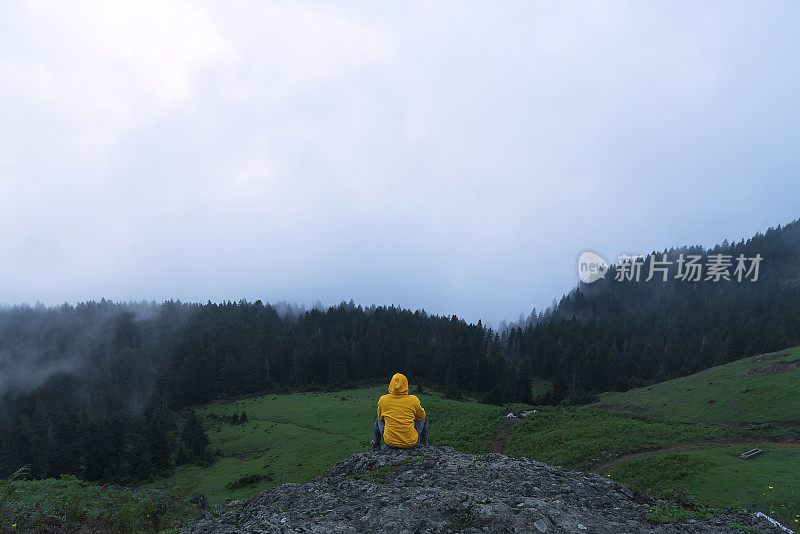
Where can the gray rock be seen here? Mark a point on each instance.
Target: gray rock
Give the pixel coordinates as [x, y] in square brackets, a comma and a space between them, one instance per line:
[203, 509]
[200, 501]
[430, 489]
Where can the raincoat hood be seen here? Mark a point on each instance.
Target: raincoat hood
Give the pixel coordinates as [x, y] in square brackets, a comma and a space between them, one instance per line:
[398, 385]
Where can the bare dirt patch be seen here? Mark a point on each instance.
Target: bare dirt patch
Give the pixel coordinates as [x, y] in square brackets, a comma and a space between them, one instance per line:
[768, 357]
[497, 441]
[775, 367]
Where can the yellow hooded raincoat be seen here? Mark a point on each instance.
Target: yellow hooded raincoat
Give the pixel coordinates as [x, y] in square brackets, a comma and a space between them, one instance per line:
[398, 410]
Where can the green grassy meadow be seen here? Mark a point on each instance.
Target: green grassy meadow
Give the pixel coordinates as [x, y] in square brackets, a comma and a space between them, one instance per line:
[295, 437]
[771, 397]
[717, 476]
[679, 438]
[580, 438]
[696, 411]
[683, 437]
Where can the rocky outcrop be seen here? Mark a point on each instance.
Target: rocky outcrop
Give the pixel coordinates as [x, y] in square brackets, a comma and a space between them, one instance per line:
[430, 489]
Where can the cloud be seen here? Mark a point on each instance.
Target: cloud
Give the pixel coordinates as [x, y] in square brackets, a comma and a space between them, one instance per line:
[454, 156]
[108, 58]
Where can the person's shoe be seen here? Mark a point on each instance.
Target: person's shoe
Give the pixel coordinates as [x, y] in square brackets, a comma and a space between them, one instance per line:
[375, 446]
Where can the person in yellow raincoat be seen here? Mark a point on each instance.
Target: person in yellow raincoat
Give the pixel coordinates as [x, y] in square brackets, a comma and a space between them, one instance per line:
[401, 420]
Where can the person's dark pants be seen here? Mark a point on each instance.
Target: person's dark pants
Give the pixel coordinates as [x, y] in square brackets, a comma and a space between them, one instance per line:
[377, 432]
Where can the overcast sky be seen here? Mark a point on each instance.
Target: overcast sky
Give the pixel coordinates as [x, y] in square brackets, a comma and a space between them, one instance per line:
[452, 156]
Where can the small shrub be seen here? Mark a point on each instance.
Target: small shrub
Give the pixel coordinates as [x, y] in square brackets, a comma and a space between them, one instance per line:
[668, 513]
[249, 480]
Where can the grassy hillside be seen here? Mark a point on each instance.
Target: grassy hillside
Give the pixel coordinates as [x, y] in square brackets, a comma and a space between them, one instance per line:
[581, 438]
[293, 438]
[67, 504]
[667, 439]
[684, 437]
[716, 394]
[719, 477]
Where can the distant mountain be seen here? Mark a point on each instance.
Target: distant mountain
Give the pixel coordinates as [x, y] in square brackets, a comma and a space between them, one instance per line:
[618, 332]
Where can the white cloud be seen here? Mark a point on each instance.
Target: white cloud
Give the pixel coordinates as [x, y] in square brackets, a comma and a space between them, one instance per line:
[98, 68]
[293, 47]
[429, 154]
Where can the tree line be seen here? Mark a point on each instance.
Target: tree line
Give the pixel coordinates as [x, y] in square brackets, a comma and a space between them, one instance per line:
[97, 389]
[103, 390]
[616, 335]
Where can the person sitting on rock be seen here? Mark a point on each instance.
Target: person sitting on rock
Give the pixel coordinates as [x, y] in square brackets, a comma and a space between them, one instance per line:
[401, 419]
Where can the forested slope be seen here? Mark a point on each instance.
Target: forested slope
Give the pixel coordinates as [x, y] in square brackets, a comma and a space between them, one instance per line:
[93, 389]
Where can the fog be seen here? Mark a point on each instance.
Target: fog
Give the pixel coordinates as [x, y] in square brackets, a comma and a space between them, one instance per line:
[455, 156]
